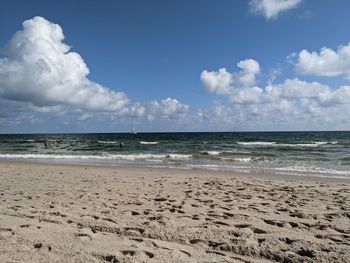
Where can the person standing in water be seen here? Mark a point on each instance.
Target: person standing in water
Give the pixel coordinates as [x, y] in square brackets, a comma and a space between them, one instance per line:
[121, 145]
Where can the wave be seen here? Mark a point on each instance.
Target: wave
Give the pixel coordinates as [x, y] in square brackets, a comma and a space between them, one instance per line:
[311, 144]
[107, 142]
[26, 141]
[144, 142]
[129, 157]
[215, 167]
[38, 140]
[243, 159]
[179, 156]
[211, 152]
[247, 159]
[311, 170]
[275, 144]
[257, 143]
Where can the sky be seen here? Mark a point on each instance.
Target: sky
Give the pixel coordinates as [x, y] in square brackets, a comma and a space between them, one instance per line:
[158, 65]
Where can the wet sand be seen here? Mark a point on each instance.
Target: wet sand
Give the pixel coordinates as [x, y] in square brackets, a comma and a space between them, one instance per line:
[66, 213]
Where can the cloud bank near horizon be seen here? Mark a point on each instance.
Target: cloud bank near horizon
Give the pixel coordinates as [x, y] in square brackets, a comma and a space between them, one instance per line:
[294, 102]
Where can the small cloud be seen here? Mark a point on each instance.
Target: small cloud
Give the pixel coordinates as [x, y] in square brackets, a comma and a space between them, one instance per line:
[223, 82]
[272, 8]
[85, 117]
[327, 62]
[167, 109]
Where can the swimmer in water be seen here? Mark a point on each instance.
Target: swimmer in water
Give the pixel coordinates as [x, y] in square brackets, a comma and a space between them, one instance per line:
[121, 145]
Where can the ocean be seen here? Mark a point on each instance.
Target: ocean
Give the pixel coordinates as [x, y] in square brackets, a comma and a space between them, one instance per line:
[289, 153]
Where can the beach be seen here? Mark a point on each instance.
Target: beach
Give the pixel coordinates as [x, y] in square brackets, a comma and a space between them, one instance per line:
[96, 213]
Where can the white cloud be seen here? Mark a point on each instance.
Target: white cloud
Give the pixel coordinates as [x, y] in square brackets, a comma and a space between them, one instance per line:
[216, 114]
[293, 103]
[167, 109]
[136, 110]
[39, 68]
[41, 77]
[223, 82]
[84, 117]
[272, 8]
[327, 62]
[238, 86]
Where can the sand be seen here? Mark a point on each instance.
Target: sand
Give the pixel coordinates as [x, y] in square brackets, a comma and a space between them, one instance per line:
[65, 213]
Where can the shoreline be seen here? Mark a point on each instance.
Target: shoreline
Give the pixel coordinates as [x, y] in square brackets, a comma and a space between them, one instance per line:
[81, 213]
[256, 174]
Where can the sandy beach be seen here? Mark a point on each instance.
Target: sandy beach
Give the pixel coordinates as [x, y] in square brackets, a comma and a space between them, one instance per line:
[66, 213]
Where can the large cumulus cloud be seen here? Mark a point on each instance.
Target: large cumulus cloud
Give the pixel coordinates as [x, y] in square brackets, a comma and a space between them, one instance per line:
[40, 68]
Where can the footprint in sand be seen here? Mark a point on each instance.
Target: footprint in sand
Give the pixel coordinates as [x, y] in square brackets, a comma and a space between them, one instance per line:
[6, 233]
[83, 237]
[107, 258]
[137, 253]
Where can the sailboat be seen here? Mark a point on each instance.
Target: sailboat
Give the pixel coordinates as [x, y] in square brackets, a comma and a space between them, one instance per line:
[133, 131]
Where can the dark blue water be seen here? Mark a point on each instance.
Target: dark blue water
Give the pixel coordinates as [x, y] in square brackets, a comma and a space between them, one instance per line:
[301, 153]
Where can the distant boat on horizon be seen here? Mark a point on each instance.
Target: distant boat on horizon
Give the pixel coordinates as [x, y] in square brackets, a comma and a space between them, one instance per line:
[133, 131]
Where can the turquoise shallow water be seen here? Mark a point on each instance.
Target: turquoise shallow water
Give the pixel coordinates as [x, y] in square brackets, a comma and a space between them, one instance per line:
[297, 153]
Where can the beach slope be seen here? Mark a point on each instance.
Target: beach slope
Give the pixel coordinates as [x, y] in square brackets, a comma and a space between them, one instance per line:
[63, 213]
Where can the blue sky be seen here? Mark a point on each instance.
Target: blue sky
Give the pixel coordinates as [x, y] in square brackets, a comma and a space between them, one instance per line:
[155, 50]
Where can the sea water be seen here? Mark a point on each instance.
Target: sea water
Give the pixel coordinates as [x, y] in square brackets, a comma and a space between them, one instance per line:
[295, 153]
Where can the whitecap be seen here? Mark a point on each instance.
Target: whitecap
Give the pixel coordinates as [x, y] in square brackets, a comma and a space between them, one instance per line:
[107, 142]
[257, 143]
[243, 159]
[144, 142]
[211, 152]
[311, 144]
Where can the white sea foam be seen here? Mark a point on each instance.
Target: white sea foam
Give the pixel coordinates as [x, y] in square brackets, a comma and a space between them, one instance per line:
[179, 156]
[129, 157]
[48, 156]
[144, 142]
[243, 159]
[275, 144]
[257, 143]
[216, 167]
[214, 152]
[311, 170]
[220, 152]
[107, 142]
[311, 144]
